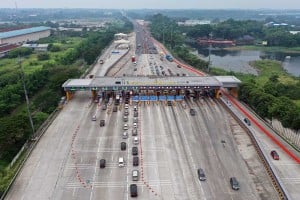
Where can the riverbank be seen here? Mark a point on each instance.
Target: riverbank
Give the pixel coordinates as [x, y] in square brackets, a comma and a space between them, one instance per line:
[291, 50]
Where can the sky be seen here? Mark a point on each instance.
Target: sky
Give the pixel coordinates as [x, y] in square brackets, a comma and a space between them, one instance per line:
[154, 4]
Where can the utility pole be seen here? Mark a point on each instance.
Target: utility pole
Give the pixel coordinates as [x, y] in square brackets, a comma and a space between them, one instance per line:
[26, 95]
[164, 36]
[171, 37]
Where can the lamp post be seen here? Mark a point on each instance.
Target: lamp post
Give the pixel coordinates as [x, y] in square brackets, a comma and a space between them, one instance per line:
[26, 95]
[209, 51]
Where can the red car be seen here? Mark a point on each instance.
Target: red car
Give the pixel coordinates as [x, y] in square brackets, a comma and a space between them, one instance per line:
[274, 155]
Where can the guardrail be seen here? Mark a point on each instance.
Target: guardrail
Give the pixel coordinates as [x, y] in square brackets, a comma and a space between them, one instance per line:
[29, 146]
[278, 185]
[271, 127]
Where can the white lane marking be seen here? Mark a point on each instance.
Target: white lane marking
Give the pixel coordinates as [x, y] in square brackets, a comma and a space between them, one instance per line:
[74, 191]
[95, 170]
[127, 172]
[152, 183]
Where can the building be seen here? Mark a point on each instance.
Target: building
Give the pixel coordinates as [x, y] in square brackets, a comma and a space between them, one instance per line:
[6, 48]
[37, 47]
[120, 36]
[24, 35]
[122, 44]
[193, 22]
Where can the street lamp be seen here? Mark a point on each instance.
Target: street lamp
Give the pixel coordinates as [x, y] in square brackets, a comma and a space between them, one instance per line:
[209, 51]
[26, 95]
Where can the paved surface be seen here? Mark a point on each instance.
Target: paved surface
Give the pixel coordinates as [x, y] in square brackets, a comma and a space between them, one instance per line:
[287, 169]
[173, 145]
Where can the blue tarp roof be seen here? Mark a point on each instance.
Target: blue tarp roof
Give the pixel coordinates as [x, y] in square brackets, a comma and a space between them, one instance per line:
[23, 31]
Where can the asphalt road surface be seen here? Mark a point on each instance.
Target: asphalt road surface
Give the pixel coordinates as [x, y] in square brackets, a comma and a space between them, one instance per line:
[172, 146]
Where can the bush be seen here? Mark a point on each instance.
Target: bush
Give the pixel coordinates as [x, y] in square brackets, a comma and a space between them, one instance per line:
[22, 51]
[43, 56]
[54, 48]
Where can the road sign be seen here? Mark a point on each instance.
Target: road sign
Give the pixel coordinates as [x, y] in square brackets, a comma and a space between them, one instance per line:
[179, 98]
[153, 98]
[135, 98]
[170, 98]
[162, 98]
[144, 98]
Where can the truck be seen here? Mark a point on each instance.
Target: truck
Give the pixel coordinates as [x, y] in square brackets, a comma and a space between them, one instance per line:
[169, 58]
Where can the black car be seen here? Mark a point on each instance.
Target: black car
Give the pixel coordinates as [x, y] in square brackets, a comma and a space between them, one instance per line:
[234, 183]
[201, 174]
[133, 190]
[123, 146]
[247, 121]
[135, 161]
[135, 151]
[102, 163]
[102, 122]
[192, 111]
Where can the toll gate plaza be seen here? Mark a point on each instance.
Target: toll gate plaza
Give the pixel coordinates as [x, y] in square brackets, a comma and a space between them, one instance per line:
[153, 87]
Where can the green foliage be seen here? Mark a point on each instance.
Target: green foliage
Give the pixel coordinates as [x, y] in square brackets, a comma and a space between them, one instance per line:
[39, 118]
[166, 30]
[193, 60]
[54, 48]
[269, 101]
[22, 51]
[14, 131]
[43, 56]
[235, 29]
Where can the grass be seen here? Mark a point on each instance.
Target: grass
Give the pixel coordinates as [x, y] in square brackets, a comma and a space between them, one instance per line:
[267, 68]
[31, 63]
[7, 174]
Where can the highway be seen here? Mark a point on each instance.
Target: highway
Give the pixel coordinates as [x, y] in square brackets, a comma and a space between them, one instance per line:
[172, 145]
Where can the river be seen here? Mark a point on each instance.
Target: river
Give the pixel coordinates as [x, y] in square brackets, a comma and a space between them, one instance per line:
[238, 60]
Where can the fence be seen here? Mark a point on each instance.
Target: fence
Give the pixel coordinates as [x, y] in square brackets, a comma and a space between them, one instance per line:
[290, 135]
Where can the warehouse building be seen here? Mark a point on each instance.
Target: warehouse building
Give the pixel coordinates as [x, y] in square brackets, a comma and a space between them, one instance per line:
[24, 35]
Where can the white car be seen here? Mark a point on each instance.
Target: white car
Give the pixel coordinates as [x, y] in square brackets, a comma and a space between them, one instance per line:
[125, 135]
[94, 118]
[135, 125]
[125, 127]
[126, 106]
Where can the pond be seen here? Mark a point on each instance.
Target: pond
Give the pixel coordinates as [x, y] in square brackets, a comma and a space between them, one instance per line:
[238, 60]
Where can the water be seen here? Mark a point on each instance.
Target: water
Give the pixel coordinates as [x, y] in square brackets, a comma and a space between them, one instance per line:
[238, 60]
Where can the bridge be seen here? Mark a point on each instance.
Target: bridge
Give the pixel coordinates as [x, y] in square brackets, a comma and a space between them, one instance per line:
[152, 85]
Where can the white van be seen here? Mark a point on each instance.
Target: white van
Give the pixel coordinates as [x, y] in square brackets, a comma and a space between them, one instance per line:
[121, 162]
[135, 140]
